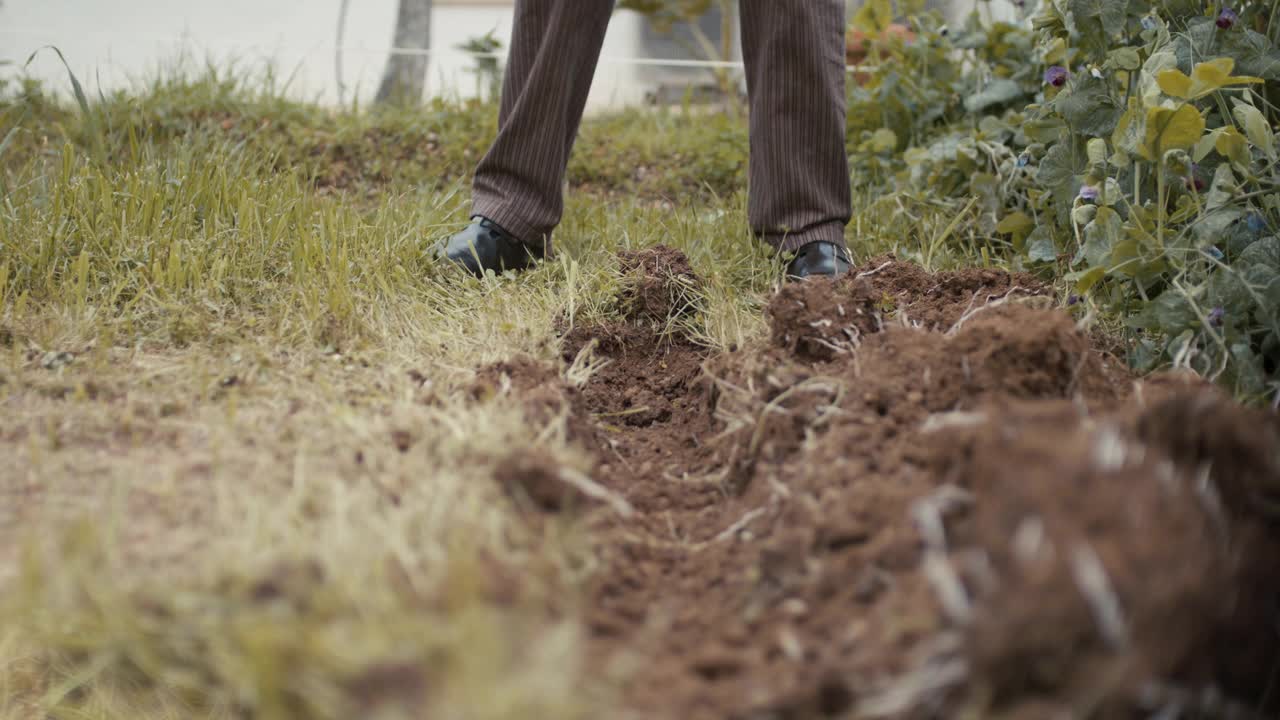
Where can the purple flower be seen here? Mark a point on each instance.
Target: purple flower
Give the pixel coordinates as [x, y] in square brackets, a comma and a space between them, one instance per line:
[1148, 23]
[1056, 76]
[1255, 223]
[1089, 193]
[1213, 252]
[1227, 18]
[1217, 316]
[1073, 300]
[1024, 159]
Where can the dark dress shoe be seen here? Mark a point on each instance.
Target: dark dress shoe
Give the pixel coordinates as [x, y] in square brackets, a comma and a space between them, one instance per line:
[821, 259]
[484, 245]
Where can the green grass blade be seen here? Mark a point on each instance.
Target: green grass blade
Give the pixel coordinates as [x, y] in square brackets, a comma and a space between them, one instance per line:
[8, 138]
[4, 145]
[90, 118]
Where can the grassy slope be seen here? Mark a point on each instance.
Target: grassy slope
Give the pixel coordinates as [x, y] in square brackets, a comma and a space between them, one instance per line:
[243, 472]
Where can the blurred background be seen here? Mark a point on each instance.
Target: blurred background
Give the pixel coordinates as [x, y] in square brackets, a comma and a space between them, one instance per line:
[337, 51]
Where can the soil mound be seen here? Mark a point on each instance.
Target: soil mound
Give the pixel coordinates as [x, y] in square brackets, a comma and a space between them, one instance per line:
[939, 300]
[1089, 561]
[658, 284]
[821, 319]
[927, 496]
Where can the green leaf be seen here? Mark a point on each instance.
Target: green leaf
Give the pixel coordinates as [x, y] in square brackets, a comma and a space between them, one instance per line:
[1086, 279]
[874, 16]
[1112, 195]
[1096, 149]
[1227, 141]
[1174, 83]
[1171, 313]
[1145, 356]
[1111, 13]
[1248, 369]
[1213, 224]
[1101, 235]
[1089, 107]
[1123, 58]
[1227, 289]
[987, 189]
[1263, 253]
[1256, 128]
[1171, 130]
[993, 127]
[1041, 246]
[1123, 255]
[1222, 188]
[1056, 52]
[1060, 172]
[1044, 130]
[1206, 78]
[997, 92]
[1232, 145]
[1130, 129]
[1216, 74]
[1264, 280]
[1059, 168]
[882, 140]
[1253, 52]
[1206, 145]
[1016, 223]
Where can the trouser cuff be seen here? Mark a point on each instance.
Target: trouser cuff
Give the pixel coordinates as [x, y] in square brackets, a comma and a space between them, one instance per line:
[832, 232]
[513, 224]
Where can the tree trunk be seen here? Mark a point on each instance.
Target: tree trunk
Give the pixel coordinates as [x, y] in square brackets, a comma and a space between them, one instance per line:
[405, 77]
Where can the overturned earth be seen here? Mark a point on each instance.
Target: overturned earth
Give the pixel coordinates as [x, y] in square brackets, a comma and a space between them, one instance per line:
[927, 496]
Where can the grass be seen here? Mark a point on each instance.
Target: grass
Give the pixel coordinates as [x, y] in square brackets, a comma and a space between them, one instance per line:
[243, 475]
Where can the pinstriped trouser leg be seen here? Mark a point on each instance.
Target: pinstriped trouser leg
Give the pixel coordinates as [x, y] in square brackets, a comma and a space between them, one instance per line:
[799, 184]
[554, 52]
[794, 51]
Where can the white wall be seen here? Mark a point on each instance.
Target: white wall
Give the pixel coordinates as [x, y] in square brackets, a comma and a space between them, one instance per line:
[110, 43]
[113, 42]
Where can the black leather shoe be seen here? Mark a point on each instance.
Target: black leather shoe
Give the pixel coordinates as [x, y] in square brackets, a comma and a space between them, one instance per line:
[821, 259]
[484, 245]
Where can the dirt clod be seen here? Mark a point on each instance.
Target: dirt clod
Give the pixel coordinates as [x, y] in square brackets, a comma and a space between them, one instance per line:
[658, 284]
[816, 320]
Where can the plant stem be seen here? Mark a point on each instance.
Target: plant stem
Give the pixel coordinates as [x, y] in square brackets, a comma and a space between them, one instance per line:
[1160, 204]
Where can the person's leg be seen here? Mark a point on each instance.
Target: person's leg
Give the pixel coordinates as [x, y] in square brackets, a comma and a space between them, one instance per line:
[799, 172]
[554, 51]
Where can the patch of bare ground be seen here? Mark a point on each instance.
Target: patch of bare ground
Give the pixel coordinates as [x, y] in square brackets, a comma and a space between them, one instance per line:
[929, 495]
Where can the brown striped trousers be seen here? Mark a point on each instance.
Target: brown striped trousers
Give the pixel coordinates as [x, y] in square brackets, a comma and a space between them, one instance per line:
[795, 69]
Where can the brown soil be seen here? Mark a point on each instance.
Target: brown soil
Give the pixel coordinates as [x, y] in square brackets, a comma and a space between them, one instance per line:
[928, 496]
[659, 284]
